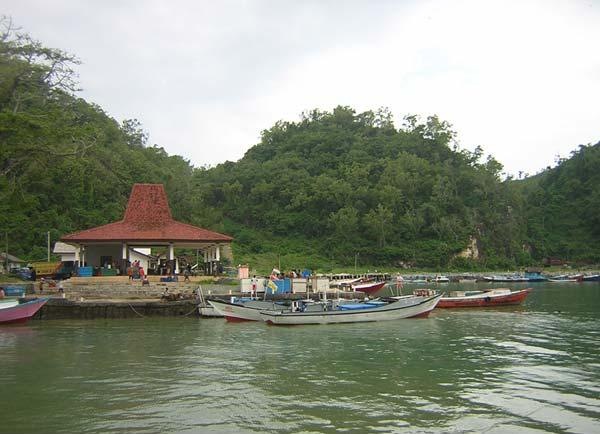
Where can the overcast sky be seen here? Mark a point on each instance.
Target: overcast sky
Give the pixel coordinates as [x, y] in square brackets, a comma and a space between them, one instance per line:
[519, 78]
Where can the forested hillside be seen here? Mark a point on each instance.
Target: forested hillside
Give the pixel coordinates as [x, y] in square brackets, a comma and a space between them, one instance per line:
[563, 208]
[332, 189]
[340, 184]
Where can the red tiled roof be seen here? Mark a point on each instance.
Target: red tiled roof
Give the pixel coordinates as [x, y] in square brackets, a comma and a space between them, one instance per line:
[147, 218]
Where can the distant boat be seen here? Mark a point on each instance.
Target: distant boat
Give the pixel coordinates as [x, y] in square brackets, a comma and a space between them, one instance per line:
[401, 307]
[368, 288]
[592, 278]
[514, 279]
[565, 278]
[416, 280]
[20, 313]
[440, 279]
[484, 298]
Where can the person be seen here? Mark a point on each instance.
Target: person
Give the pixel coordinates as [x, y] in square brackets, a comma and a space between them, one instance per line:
[254, 281]
[41, 285]
[130, 272]
[399, 281]
[61, 289]
[33, 274]
[186, 274]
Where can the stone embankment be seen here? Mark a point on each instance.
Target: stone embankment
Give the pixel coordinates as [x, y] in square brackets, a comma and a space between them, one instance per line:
[118, 297]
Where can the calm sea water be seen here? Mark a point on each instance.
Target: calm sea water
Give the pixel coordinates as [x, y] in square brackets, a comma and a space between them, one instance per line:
[532, 368]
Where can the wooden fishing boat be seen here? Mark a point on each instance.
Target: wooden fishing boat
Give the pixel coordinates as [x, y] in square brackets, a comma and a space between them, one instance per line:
[484, 298]
[401, 307]
[238, 309]
[20, 313]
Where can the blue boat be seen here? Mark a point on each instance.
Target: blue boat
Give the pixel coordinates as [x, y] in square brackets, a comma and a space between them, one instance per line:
[14, 291]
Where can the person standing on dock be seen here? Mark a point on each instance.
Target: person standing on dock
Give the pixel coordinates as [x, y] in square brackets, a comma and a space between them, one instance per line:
[399, 282]
[254, 282]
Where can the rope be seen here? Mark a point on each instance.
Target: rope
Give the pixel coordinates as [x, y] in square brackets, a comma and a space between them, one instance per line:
[192, 311]
[132, 308]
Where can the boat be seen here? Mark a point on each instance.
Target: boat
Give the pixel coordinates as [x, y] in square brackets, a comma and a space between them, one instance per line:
[243, 309]
[368, 288]
[416, 280]
[440, 279]
[529, 276]
[484, 298]
[8, 303]
[592, 278]
[14, 291]
[20, 313]
[374, 310]
[566, 278]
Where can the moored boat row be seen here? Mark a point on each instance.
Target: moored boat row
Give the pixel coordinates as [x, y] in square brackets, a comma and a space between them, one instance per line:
[418, 304]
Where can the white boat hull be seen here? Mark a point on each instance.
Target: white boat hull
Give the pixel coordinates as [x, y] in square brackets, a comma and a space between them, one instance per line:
[406, 307]
[243, 311]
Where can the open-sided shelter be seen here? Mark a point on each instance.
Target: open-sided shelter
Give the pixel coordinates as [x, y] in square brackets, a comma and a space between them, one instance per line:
[147, 223]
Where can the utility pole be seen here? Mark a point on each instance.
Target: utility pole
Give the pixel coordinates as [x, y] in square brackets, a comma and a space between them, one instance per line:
[6, 253]
[48, 246]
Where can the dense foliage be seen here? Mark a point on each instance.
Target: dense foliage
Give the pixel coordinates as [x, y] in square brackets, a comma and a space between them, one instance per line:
[563, 208]
[334, 188]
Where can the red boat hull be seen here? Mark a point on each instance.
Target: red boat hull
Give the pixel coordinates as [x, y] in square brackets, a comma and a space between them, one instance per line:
[485, 300]
[22, 312]
[369, 288]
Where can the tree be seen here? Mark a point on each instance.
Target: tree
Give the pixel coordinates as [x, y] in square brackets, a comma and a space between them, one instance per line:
[378, 222]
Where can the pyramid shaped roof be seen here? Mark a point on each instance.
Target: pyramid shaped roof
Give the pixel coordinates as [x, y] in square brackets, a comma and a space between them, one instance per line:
[147, 219]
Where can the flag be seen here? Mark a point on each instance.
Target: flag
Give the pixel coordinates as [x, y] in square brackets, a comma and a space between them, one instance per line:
[272, 285]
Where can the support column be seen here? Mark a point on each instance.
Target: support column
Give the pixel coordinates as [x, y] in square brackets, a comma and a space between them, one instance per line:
[124, 258]
[172, 258]
[79, 259]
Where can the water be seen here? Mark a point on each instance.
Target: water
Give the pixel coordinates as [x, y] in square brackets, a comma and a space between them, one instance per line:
[532, 368]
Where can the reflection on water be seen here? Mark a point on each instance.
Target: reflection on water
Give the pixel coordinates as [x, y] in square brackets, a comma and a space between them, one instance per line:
[532, 368]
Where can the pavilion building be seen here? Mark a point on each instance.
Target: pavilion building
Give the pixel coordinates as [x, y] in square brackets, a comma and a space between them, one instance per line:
[147, 224]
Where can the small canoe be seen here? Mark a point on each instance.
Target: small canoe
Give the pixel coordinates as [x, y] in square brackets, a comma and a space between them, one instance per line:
[485, 298]
[21, 313]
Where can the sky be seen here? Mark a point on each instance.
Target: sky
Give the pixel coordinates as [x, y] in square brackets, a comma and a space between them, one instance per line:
[521, 79]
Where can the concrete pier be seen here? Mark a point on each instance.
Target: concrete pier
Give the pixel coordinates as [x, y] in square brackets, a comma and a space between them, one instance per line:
[59, 308]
